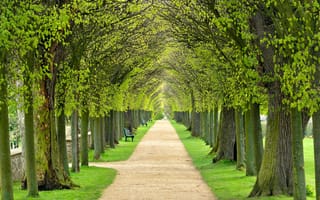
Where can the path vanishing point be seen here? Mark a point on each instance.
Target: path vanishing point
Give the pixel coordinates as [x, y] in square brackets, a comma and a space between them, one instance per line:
[160, 168]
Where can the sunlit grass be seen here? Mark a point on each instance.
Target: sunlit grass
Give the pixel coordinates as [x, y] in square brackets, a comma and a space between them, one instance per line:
[92, 181]
[224, 180]
[124, 149]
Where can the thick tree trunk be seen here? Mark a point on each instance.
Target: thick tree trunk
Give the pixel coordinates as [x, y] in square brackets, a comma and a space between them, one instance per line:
[75, 141]
[30, 159]
[299, 182]
[5, 159]
[240, 140]
[84, 137]
[227, 136]
[50, 170]
[316, 147]
[275, 175]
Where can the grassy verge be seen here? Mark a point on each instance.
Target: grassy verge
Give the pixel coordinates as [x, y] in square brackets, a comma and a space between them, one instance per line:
[124, 149]
[92, 181]
[224, 180]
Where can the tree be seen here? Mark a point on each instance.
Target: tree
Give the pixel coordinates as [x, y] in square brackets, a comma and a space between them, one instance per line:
[5, 162]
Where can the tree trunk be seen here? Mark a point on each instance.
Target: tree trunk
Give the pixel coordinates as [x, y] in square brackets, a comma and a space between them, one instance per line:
[254, 142]
[5, 159]
[61, 128]
[75, 141]
[97, 138]
[215, 125]
[102, 133]
[91, 123]
[316, 136]
[240, 140]
[258, 138]
[30, 159]
[227, 136]
[50, 170]
[84, 137]
[299, 182]
[275, 175]
[211, 136]
[250, 158]
[316, 147]
[195, 127]
[110, 131]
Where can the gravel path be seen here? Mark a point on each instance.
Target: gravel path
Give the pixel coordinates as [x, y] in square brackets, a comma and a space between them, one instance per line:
[160, 168]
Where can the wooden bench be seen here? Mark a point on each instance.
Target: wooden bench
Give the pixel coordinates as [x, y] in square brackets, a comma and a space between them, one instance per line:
[127, 134]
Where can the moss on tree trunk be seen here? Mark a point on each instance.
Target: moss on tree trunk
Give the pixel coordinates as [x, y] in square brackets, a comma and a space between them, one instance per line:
[275, 175]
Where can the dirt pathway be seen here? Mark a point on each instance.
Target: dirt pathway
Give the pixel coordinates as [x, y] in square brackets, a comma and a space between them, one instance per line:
[160, 168]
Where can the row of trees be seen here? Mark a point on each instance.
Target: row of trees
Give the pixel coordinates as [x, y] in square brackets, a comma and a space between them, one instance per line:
[79, 59]
[239, 55]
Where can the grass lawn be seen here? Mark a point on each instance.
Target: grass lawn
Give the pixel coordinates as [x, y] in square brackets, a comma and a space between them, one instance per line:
[124, 149]
[225, 181]
[92, 180]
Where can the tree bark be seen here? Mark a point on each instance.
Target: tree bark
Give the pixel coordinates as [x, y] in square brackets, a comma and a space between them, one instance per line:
[103, 132]
[227, 136]
[61, 129]
[215, 125]
[110, 131]
[5, 159]
[299, 182]
[50, 170]
[75, 141]
[316, 147]
[84, 137]
[275, 175]
[30, 159]
[240, 140]
[254, 141]
[250, 157]
[97, 138]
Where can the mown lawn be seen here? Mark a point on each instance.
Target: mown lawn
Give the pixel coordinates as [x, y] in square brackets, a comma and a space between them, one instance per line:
[92, 180]
[124, 149]
[224, 180]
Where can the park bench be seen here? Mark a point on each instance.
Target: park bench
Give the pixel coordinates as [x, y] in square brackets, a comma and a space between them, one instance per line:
[144, 123]
[127, 134]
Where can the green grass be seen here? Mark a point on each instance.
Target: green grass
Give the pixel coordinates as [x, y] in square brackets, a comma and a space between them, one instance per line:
[92, 181]
[124, 149]
[225, 181]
